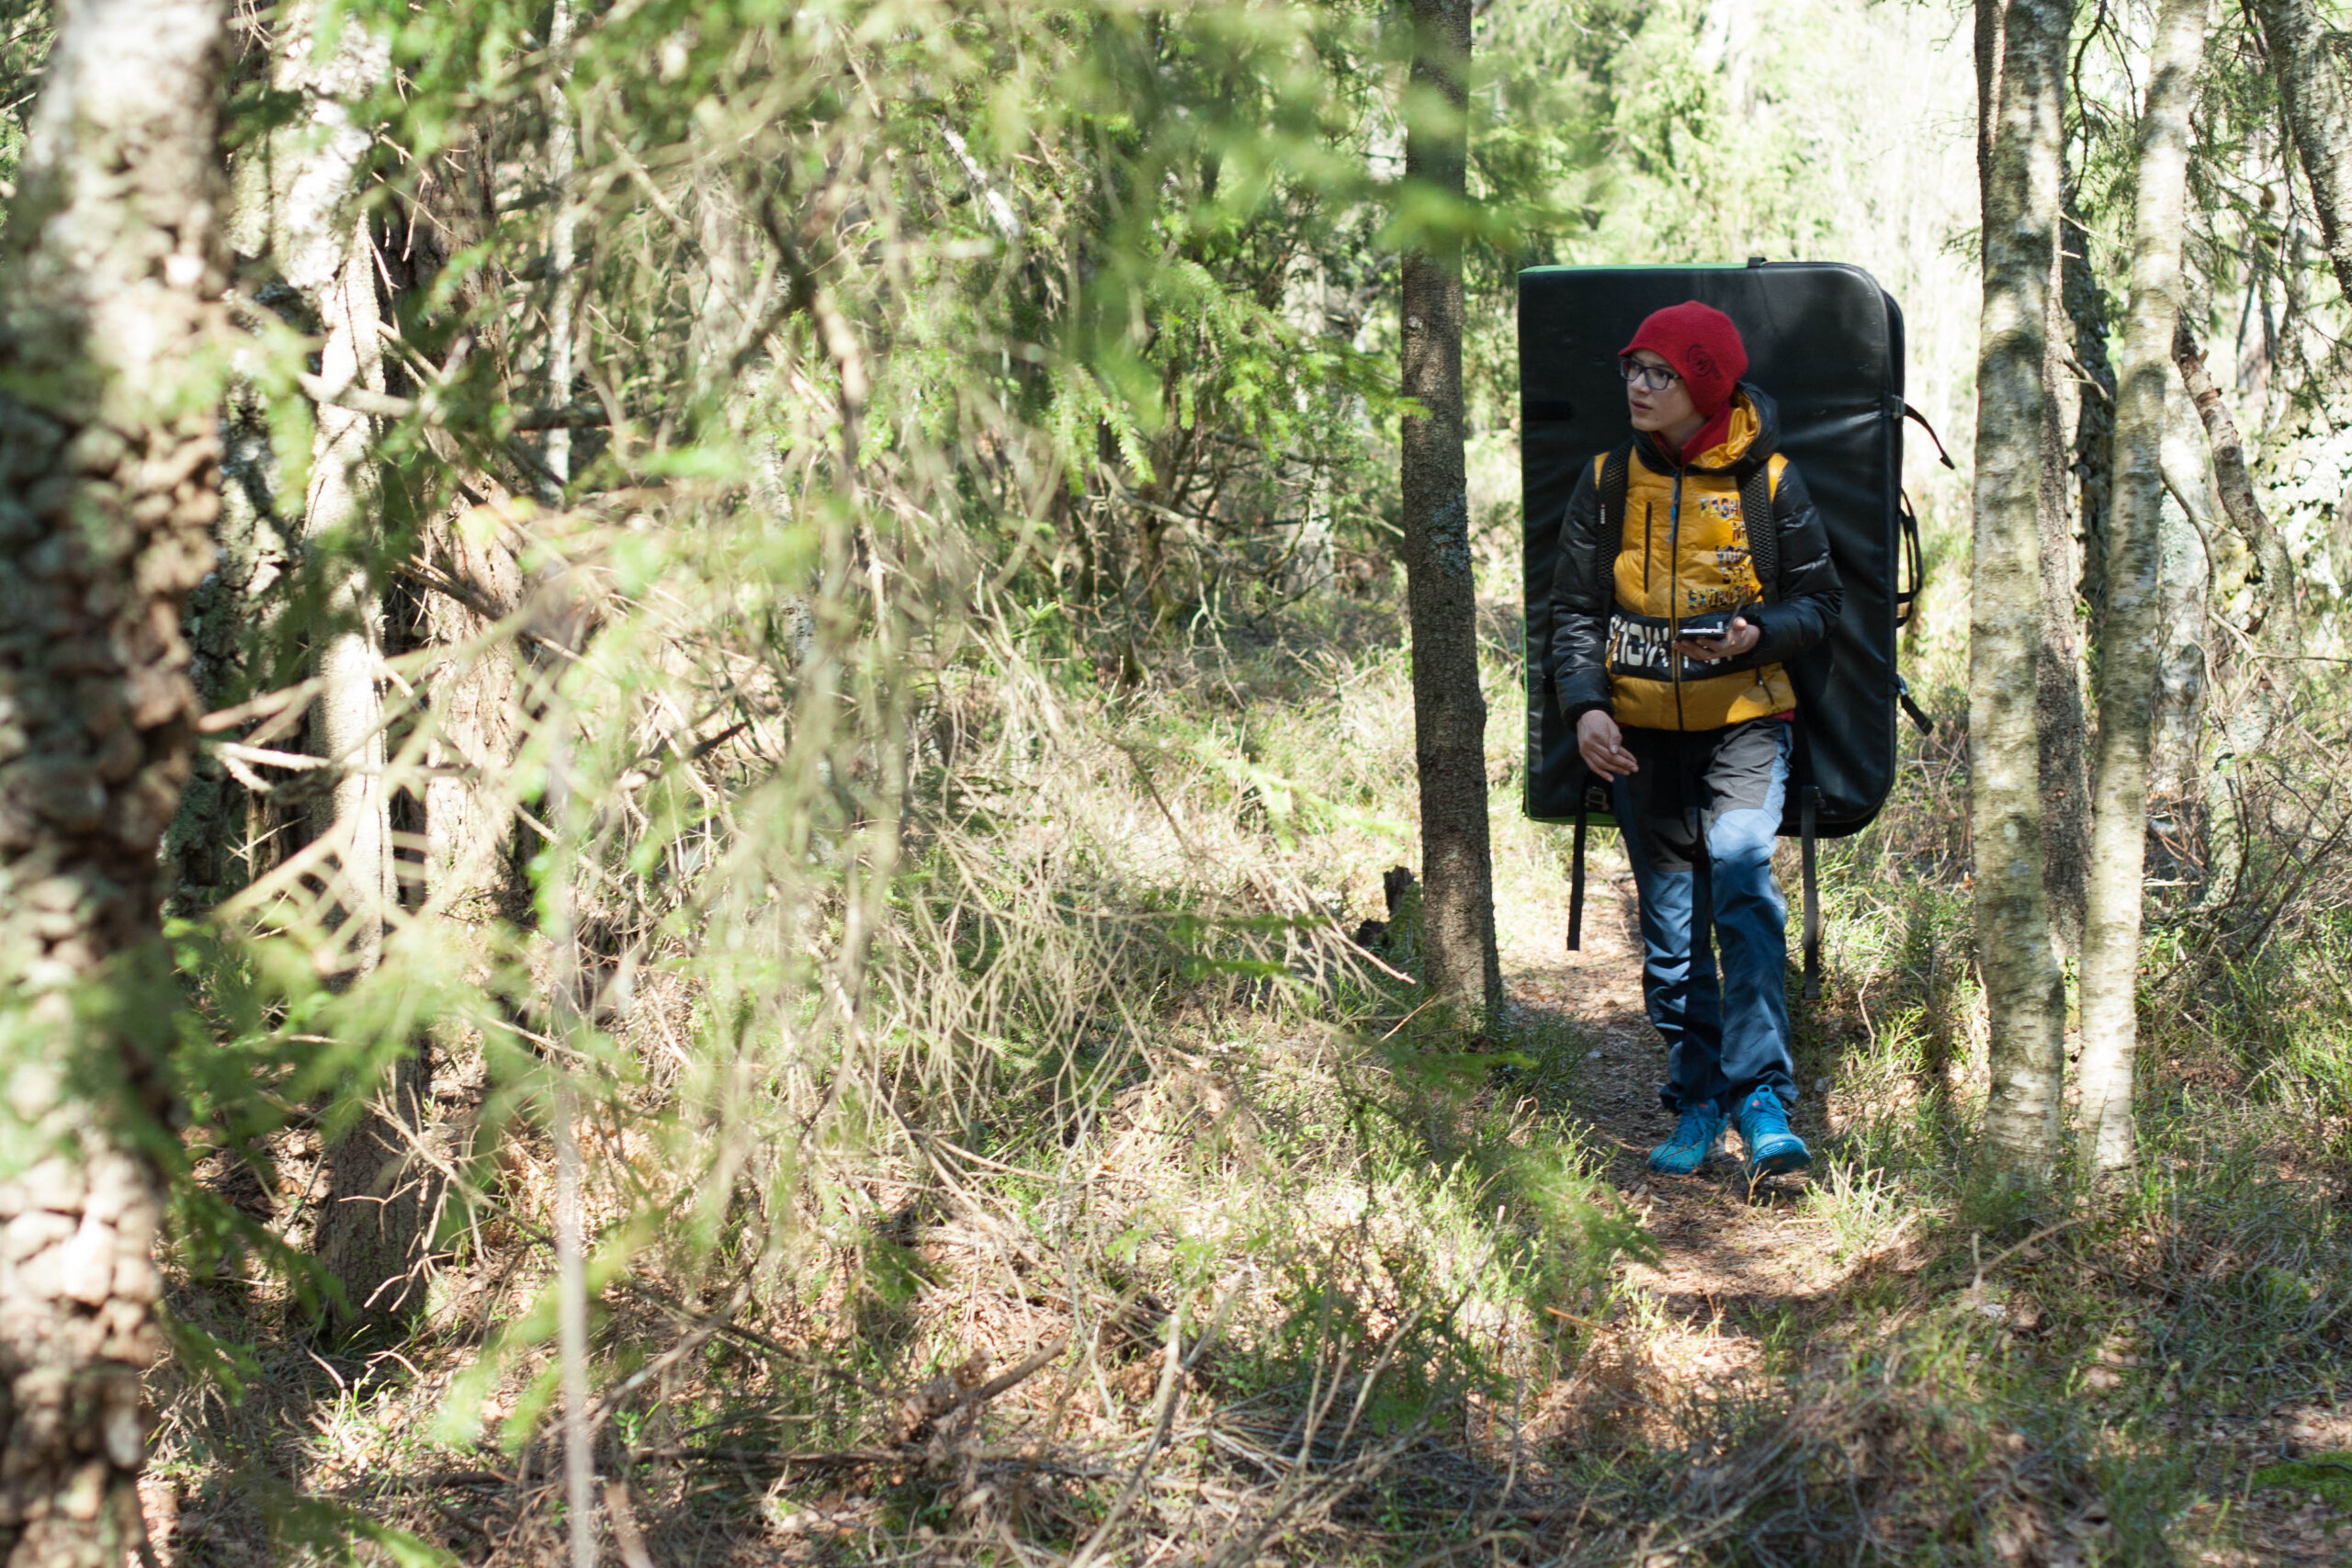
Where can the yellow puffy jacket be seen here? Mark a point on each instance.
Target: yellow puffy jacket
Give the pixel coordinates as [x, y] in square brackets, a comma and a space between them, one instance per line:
[1625, 584]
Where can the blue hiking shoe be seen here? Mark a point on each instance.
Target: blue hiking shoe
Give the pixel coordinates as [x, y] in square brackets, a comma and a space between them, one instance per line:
[1772, 1149]
[1694, 1138]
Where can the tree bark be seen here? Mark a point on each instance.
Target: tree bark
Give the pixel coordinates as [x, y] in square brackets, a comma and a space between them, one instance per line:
[2087, 311]
[108, 466]
[2127, 673]
[2319, 114]
[2058, 702]
[2186, 576]
[347, 722]
[372, 1223]
[372, 1219]
[223, 834]
[2243, 698]
[2021, 205]
[2234, 484]
[1449, 709]
[2059, 726]
[1991, 19]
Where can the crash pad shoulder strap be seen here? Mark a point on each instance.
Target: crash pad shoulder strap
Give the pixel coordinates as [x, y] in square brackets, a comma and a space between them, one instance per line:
[1616, 477]
[1614, 471]
[1755, 494]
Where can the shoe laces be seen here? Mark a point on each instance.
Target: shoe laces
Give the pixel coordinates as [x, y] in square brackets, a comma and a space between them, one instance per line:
[1697, 1126]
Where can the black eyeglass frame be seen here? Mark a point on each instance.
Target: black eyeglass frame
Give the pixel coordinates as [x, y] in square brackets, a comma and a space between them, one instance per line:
[1650, 377]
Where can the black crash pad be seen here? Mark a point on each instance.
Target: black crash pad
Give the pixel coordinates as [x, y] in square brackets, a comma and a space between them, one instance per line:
[1826, 341]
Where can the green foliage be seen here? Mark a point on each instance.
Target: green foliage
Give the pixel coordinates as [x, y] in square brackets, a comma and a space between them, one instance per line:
[935, 745]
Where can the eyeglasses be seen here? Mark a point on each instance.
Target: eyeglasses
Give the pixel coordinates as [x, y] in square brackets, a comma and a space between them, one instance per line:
[1648, 377]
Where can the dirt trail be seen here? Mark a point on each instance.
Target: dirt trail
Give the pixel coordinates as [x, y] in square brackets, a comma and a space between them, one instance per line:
[1730, 1259]
[1733, 1262]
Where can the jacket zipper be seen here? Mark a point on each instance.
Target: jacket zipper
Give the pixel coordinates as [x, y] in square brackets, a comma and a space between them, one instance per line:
[1647, 509]
[1673, 598]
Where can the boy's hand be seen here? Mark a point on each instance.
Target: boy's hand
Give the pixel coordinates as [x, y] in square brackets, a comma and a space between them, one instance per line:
[1602, 746]
[1739, 637]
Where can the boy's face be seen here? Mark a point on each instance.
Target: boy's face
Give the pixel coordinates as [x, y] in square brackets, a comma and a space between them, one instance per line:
[1668, 408]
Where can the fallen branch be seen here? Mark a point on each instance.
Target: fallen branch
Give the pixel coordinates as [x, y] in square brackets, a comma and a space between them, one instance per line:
[382, 405]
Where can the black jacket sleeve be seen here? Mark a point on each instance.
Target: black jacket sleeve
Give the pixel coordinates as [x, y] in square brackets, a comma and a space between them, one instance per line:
[1581, 605]
[1810, 597]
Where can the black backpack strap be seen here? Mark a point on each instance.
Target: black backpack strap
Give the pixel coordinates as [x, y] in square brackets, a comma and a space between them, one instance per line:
[1616, 478]
[1808, 836]
[1808, 809]
[1576, 885]
[1763, 534]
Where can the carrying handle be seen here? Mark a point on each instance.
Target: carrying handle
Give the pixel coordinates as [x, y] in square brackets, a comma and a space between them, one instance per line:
[1914, 565]
[1912, 413]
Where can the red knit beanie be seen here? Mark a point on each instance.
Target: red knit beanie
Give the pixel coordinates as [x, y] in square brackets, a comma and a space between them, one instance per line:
[1703, 346]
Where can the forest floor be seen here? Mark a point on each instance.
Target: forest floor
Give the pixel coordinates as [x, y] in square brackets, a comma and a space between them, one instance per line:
[1847, 1367]
[1732, 1258]
[1742, 1272]
[1795, 1373]
[1328, 1196]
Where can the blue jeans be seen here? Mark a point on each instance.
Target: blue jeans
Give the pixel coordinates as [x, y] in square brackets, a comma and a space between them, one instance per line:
[1699, 819]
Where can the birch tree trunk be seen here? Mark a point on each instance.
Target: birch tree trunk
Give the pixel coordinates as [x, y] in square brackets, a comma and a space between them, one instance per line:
[347, 723]
[109, 459]
[570, 1230]
[2245, 700]
[371, 1226]
[2186, 576]
[2021, 191]
[2127, 676]
[2058, 728]
[1991, 19]
[2234, 484]
[372, 1222]
[1449, 709]
[2086, 313]
[2058, 670]
[2319, 113]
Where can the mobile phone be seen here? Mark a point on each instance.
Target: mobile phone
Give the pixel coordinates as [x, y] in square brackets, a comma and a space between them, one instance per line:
[1713, 625]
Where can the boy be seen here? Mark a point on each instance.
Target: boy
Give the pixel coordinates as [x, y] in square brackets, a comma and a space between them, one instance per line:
[1691, 725]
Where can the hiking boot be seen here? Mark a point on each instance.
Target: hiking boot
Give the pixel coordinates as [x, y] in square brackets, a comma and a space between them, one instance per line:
[1772, 1149]
[1694, 1139]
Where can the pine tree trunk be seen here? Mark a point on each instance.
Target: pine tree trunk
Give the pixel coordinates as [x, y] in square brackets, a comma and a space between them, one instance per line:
[2021, 190]
[468, 821]
[108, 468]
[2127, 683]
[1449, 709]
[223, 834]
[2319, 112]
